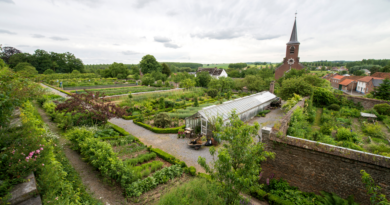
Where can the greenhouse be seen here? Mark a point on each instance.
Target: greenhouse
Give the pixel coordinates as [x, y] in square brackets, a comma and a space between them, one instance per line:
[246, 108]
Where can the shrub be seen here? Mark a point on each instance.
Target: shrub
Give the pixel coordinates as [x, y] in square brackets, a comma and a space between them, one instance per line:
[212, 93]
[159, 130]
[383, 109]
[323, 97]
[343, 134]
[373, 130]
[162, 120]
[165, 156]
[192, 170]
[140, 159]
[326, 129]
[334, 107]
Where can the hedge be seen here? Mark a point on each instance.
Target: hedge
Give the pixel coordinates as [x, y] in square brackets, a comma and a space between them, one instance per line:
[62, 91]
[160, 130]
[123, 132]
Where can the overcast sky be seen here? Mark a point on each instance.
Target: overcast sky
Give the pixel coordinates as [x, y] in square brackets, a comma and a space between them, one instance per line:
[203, 31]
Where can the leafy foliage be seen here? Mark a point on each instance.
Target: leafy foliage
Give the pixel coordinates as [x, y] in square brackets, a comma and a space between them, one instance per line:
[162, 120]
[212, 93]
[373, 190]
[238, 162]
[383, 91]
[335, 107]
[294, 86]
[383, 109]
[291, 102]
[149, 64]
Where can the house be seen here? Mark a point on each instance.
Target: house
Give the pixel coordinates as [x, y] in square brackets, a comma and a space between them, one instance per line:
[214, 72]
[381, 75]
[348, 85]
[367, 84]
[336, 80]
[328, 76]
[246, 108]
[367, 72]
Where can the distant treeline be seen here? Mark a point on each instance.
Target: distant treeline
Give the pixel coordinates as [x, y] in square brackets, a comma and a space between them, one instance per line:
[192, 66]
[380, 62]
[43, 60]
[237, 65]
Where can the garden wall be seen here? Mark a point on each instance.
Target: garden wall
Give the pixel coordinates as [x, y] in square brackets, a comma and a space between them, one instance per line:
[315, 167]
[367, 103]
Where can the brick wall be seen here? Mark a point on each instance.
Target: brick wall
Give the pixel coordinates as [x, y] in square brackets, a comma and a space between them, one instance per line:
[367, 103]
[315, 167]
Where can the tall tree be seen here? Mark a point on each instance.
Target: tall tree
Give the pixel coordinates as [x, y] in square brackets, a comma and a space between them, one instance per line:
[149, 64]
[237, 165]
[383, 91]
[8, 52]
[202, 79]
[166, 70]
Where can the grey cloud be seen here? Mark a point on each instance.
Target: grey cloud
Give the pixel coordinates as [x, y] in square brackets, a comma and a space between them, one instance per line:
[171, 45]
[172, 13]
[116, 44]
[221, 34]
[161, 39]
[6, 31]
[56, 38]
[89, 3]
[8, 1]
[37, 36]
[142, 3]
[23, 46]
[261, 38]
[129, 53]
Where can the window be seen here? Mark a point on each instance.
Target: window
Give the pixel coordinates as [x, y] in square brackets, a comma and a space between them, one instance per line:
[292, 49]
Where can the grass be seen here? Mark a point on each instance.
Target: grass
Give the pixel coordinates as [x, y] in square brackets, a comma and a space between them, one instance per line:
[223, 65]
[198, 191]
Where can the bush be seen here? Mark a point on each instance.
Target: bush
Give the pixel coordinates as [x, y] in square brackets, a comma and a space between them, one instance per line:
[140, 159]
[212, 93]
[159, 130]
[162, 120]
[334, 107]
[344, 134]
[323, 97]
[383, 109]
[373, 130]
[192, 170]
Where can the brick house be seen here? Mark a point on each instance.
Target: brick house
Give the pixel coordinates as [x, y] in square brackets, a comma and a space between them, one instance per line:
[291, 61]
[368, 83]
[348, 85]
[336, 80]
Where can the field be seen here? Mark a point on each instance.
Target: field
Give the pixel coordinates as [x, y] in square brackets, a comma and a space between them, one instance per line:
[224, 65]
[320, 73]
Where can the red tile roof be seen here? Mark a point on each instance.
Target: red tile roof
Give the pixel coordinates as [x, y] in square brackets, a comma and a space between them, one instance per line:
[365, 79]
[346, 82]
[338, 76]
[381, 75]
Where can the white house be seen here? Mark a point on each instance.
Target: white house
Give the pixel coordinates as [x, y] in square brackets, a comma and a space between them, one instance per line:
[214, 72]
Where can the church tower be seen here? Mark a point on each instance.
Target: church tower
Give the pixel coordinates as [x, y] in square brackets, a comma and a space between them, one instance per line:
[291, 61]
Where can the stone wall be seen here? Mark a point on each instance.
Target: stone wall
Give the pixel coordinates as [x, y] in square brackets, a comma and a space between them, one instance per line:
[315, 167]
[367, 103]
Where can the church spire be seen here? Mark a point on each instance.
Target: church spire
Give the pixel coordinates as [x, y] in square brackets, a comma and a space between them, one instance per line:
[294, 35]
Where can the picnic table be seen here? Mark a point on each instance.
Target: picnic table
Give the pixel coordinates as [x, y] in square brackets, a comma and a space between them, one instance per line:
[369, 116]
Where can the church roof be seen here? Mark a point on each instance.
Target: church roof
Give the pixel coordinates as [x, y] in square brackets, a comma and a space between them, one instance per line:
[294, 34]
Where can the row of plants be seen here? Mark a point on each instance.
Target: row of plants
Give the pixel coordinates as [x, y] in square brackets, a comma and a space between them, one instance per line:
[123, 90]
[46, 78]
[60, 90]
[33, 148]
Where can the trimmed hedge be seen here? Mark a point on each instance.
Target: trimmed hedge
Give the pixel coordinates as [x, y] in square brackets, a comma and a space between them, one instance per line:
[160, 130]
[123, 132]
[62, 91]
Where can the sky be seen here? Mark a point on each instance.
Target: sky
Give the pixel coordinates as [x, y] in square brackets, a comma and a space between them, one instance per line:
[201, 31]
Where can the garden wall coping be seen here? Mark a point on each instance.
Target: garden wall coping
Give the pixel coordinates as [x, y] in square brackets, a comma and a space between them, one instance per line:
[25, 191]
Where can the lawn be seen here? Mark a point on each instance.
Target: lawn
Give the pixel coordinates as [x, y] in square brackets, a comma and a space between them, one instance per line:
[223, 65]
[320, 73]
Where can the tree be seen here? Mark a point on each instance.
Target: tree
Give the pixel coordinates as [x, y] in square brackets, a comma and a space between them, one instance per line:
[359, 73]
[28, 72]
[202, 79]
[383, 90]
[237, 166]
[386, 69]
[136, 76]
[21, 66]
[134, 69]
[162, 120]
[166, 70]
[75, 72]
[8, 52]
[149, 64]
[147, 80]
[255, 83]
[294, 85]
[48, 72]
[221, 84]
[188, 83]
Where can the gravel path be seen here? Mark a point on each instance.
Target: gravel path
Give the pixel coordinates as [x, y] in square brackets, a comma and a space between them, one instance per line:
[55, 91]
[166, 142]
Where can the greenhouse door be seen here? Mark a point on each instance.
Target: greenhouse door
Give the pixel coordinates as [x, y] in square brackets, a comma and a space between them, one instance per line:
[203, 126]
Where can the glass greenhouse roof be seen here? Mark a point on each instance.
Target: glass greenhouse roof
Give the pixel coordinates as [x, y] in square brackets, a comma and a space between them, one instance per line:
[240, 104]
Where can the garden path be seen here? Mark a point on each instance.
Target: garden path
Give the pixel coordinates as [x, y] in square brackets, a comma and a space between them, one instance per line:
[109, 194]
[55, 91]
[167, 142]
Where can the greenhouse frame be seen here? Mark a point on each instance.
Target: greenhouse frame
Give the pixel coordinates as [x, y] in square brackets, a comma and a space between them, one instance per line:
[246, 108]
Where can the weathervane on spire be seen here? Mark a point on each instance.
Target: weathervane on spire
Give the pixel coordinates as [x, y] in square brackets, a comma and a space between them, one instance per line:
[296, 14]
